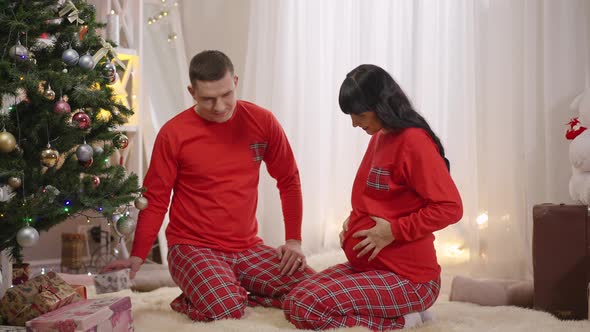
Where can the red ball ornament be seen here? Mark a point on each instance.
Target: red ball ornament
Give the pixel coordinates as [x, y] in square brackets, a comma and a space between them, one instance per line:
[81, 120]
[62, 107]
[95, 181]
[121, 141]
[86, 164]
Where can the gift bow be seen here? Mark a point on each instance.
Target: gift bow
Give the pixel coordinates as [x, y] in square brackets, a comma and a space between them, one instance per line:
[74, 12]
[107, 48]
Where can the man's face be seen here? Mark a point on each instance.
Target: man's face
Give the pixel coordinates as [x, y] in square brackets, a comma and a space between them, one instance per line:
[216, 100]
[369, 121]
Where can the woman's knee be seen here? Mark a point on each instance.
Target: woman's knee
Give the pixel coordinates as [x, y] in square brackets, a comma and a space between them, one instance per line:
[304, 309]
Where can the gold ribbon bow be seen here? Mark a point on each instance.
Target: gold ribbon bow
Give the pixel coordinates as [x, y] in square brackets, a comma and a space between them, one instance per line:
[73, 12]
[107, 48]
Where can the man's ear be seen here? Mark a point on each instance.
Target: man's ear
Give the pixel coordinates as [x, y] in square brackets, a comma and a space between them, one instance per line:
[236, 79]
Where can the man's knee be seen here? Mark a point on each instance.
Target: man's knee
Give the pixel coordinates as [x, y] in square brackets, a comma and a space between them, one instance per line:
[225, 305]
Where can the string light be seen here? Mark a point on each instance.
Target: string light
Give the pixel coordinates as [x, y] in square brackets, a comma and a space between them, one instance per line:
[482, 220]
[161, 14]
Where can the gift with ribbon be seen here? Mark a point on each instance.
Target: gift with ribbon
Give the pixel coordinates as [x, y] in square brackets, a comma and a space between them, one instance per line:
[35, 297]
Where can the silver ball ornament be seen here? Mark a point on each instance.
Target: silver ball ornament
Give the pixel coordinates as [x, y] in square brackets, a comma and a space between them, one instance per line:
[86, 62]
[70, 57]
[84, 152]
[98, 150]
[125, 226]
[109, 70]
[27, 237]
[18, 52]
[141, 203]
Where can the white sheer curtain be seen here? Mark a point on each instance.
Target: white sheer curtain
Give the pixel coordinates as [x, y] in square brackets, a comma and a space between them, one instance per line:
[493, 78]
[165, 78]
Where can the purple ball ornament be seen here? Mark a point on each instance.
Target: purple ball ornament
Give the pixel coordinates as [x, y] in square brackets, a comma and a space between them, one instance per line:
[61, 107]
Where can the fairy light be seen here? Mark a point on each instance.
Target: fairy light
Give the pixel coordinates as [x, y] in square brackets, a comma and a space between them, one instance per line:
[482, 220]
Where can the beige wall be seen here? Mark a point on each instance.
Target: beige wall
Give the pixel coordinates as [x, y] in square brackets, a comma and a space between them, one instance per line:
[217, 24]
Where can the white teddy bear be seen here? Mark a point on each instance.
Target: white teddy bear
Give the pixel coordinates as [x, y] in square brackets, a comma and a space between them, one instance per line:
[579, 152]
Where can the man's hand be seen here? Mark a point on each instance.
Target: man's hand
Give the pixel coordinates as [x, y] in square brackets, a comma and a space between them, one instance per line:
[133, 263]
[344, 230]
[376, 238]
[291, 257]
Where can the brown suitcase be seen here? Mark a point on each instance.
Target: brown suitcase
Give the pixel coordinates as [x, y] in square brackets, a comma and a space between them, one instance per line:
[561, 259]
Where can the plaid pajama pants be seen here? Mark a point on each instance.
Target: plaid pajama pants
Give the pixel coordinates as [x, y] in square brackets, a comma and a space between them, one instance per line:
[215, 284]
[341, 297]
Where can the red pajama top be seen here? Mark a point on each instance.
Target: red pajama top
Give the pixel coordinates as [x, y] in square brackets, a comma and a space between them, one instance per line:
[404, 180]
[213, 169]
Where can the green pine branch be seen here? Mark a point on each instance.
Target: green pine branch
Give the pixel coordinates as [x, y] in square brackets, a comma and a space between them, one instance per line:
[51, 195]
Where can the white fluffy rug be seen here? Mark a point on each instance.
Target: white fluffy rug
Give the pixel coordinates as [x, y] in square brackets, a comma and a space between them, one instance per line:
[152, 312]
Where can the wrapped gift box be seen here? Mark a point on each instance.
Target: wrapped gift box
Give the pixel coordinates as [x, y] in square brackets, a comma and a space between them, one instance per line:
[104, 315]
[112, 281]
[20, 273]
[35, 297]
[81, 290]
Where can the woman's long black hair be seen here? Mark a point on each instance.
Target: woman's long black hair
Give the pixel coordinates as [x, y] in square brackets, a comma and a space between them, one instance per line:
[371, 88]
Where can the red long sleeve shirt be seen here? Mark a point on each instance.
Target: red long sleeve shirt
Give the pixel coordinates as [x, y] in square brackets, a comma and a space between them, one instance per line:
[404, 180]
[213, 169]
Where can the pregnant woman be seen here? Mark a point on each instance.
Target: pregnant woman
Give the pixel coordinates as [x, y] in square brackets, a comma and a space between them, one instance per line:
[402, 193]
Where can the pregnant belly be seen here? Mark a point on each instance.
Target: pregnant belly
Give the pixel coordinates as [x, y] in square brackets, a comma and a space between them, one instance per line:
[360, 263]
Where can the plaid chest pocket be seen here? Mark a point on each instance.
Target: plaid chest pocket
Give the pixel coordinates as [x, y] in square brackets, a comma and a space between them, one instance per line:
[378, 183]
[258, 149]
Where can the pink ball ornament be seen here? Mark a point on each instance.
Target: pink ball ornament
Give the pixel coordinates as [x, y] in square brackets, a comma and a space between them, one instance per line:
[95, 181]
[62, 107]
[81, 120]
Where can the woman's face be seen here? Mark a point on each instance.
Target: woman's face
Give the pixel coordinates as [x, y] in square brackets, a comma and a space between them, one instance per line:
[368, 121]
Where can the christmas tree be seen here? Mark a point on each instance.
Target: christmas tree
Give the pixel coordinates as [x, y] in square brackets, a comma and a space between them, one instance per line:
[58, 122]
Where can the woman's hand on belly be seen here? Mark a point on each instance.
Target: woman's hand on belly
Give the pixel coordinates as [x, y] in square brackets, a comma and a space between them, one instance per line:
[344, 230]
[375, 238]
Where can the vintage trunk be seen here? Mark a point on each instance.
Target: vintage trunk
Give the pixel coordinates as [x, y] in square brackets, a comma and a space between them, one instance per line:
[561, 259]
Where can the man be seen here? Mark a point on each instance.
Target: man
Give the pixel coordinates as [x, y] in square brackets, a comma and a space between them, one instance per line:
[210, 156]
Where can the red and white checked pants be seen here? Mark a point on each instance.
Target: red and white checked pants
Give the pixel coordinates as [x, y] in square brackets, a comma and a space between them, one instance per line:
[341, 297]
[215, 284]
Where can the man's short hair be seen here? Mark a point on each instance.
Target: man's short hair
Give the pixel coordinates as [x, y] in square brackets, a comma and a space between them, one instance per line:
[209, 65]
